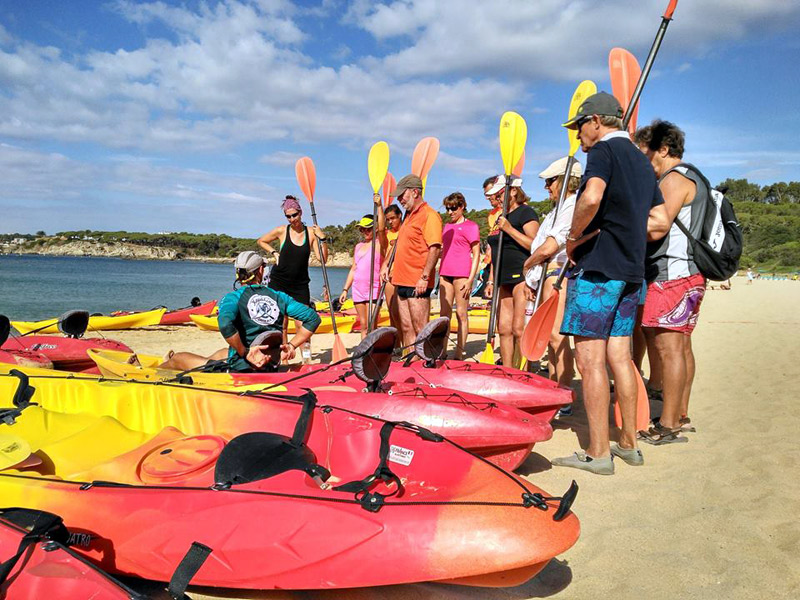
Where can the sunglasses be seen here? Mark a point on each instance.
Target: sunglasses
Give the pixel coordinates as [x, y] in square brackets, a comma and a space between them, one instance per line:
[550, 181]
[452, 208]
[292, 216]
[582, 122]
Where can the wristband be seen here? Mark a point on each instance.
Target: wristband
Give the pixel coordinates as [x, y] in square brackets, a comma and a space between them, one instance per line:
[292, 345]
[424, 277]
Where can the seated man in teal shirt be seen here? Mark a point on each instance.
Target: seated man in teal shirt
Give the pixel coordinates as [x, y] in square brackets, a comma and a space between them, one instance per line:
[247, 312]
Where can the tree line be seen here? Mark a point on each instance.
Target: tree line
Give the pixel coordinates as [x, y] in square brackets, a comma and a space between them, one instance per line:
[769, 215]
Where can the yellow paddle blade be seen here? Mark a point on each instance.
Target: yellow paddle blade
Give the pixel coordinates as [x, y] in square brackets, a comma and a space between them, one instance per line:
[13, 450]
[487, 358]
[513, 135]
[378, 164]
[585, 89]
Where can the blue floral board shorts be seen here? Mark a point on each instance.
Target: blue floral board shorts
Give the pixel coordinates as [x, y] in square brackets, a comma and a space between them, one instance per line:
[598, 307]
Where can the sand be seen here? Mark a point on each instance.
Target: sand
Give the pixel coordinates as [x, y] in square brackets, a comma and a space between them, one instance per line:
[717, 517]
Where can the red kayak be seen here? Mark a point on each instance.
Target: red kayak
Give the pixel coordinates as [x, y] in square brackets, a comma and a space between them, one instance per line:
[51, 351]
[65, 354]
[181, 315]
[25, 358]
[286, 494]
[38, 564]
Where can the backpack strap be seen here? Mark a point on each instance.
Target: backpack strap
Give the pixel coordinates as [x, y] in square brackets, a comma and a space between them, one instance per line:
[696, 171]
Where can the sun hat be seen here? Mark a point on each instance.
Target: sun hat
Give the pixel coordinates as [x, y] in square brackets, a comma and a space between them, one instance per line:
[500, 183]
[249, 261]
[559, 167]
[365, 222]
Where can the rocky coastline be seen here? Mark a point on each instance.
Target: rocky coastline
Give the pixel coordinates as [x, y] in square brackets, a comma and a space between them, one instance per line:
[135, 252]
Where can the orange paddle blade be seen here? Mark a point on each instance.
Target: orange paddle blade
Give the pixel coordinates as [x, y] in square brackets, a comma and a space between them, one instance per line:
[625, 72]
[306, 177]
[338, 352]
[642, 405]
[389, 185]
[537, 332]
[424, 156]
[517, 170]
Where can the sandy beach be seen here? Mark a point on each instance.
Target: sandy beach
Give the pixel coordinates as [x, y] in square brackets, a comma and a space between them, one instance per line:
[714, 518]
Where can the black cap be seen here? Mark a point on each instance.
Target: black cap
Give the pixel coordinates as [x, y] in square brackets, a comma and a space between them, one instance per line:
[601, 103]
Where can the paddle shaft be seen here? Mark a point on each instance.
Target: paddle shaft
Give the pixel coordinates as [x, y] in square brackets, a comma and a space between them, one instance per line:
[648, 64]
[540, 289]
[496, 274]
[373, 317]
[324, 270]
[372, 265]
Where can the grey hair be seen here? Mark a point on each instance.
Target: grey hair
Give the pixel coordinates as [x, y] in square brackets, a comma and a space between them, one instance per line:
[610, 121]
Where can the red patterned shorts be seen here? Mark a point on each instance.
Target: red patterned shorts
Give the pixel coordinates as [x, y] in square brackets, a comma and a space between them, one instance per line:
[675, 304]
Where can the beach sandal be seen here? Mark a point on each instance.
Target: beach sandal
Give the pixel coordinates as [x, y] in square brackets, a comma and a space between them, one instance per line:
[658, 435]
[685, 424]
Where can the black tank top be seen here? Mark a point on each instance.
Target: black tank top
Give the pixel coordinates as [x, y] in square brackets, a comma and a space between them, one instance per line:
[292, 267]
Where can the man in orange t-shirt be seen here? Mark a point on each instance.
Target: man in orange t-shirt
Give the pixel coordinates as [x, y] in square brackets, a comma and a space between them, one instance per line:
[419, 245]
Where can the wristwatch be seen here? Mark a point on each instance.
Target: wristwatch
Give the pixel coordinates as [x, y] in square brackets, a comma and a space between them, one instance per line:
[424, 277]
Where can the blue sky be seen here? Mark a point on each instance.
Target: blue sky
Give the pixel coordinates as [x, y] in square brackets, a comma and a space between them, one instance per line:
[189, 116]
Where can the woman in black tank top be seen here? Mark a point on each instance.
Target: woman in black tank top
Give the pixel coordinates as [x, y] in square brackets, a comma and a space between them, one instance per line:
[290, 274]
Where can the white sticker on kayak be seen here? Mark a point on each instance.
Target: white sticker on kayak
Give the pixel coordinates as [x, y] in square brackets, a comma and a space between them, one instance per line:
[400, 455]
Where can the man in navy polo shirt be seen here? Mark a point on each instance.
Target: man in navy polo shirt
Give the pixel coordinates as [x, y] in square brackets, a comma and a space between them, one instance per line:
[607, 240]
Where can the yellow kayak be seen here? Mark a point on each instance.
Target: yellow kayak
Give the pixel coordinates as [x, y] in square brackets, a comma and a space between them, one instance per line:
[324, 306]
[344, 323]
[116, 365]
[96, 323]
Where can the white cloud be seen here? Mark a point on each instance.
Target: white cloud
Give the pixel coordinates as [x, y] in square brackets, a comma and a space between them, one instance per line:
[551, 39]
[234, 75]
[280, 158]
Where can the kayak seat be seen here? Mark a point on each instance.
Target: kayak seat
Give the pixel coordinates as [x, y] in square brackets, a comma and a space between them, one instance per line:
[259, 455]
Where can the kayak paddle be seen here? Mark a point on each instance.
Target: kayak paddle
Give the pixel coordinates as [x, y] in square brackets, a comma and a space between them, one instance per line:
[648, 64]
[537, 331]
[520, 165]
[389, 185]
[13, 450]
[513, 135]
[307, 179]
[425, 154]
[625, 72]
[377, 168]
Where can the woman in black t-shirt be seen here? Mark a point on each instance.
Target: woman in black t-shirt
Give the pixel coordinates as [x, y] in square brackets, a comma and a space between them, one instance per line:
[519, 228]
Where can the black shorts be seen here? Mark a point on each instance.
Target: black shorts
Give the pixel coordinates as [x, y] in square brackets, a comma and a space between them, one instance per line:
[407, 291]
[300, 292]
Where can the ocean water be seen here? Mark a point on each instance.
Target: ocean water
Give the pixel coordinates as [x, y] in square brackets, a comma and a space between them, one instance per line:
[39, 287]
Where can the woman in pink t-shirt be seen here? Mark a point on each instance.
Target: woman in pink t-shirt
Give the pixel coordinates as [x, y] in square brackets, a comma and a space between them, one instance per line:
[460, 255]
[358, 277]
